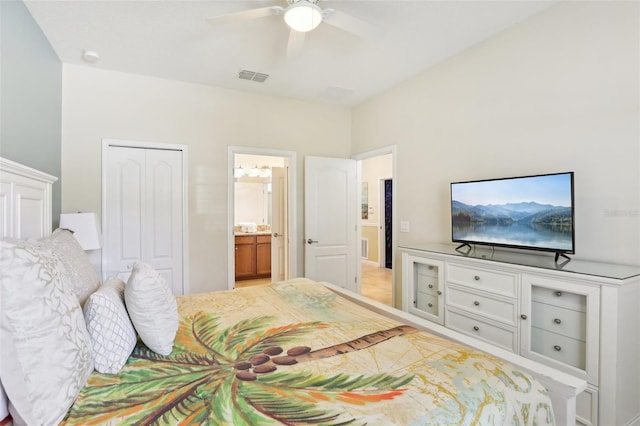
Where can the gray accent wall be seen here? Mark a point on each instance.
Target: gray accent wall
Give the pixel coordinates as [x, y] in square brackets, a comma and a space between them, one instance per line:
[30, 95]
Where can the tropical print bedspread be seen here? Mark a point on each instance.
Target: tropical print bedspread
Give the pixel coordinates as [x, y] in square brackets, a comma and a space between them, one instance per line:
[296, 353]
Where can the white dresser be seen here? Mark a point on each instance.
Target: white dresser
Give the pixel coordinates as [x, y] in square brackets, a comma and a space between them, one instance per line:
[576, 316]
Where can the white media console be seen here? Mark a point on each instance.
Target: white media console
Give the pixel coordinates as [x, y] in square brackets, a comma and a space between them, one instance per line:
[579, 317]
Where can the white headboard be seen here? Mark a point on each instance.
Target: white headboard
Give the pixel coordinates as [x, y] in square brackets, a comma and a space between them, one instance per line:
[25, 212]
[25, 201]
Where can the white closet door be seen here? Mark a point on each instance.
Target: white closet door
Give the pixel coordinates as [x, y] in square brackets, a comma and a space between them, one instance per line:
[144, 212]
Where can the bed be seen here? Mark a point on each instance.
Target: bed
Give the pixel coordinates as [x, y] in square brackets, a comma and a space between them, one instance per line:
[294, 352]
[229, 365]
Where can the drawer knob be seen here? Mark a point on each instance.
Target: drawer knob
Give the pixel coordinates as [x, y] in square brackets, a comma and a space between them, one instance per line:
[430, 305]
[476, 303]
[557, 348]
[476, 328]
[430, 285]
[523, 316]
[476, 277]
[430, 267]
[557, 321]
[558, 293]
[439, 292]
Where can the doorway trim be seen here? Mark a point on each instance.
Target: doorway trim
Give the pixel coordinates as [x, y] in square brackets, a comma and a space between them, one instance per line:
[106, 144]
[292, 203]
[391, 149]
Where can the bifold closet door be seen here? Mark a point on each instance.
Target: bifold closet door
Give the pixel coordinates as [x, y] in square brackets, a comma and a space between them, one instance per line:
[144, 212]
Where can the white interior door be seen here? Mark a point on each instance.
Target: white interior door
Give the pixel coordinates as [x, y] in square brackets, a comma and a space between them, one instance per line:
[143, 212]
[279, 233]
[330, 221]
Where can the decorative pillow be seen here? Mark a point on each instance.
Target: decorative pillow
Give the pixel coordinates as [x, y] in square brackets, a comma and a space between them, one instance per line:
[78, 271]
[112, 334]
[45, 356]
[152, 308]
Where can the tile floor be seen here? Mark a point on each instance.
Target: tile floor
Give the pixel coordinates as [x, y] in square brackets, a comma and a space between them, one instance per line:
[376, 283]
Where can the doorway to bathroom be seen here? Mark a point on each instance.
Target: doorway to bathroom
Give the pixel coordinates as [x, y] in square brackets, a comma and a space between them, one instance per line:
[261, 217]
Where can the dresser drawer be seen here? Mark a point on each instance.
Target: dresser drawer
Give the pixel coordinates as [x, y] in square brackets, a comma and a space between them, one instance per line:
[559, 320]
[427, 303]
[427, 284]
[565, 299]
[245, 239]
[495, 282]
[560, 348]
[263, 239]
[503, 337]
[428, 270]
[497, 309]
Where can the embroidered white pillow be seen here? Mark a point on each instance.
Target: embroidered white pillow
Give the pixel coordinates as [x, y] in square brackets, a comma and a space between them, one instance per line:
[112, 334]
[45, 356]
[152, 308]
[78, 271]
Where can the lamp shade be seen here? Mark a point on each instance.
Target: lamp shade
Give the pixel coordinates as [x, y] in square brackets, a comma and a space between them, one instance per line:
[303, 16]
[84, 227]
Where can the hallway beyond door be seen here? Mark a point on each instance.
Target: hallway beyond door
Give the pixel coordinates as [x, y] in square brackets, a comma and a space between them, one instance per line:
[377, 283]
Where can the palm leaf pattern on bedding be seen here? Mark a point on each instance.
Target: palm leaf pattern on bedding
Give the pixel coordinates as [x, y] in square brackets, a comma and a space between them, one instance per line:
[198, 384]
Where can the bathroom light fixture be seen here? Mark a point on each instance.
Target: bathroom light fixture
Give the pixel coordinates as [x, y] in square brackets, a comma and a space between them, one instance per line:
[253, 172]
[303, 16]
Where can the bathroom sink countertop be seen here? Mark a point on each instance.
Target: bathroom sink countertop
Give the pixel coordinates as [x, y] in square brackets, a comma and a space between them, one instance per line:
[253, 233]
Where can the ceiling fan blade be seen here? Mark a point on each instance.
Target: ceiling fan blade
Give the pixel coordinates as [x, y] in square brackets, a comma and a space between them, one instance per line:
[349, 23]
[246, 15]
[294, 46]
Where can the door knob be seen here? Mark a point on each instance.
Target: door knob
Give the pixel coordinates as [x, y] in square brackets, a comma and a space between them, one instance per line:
[310, 241]
[275, 234]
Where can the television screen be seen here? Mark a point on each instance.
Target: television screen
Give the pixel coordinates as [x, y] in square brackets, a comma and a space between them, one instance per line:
[532, 212]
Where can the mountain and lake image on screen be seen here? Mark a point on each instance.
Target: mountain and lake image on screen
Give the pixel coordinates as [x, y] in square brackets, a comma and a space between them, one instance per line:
[528, 212]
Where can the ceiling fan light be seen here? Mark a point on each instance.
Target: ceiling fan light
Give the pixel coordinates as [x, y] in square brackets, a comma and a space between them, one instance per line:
[303, 16]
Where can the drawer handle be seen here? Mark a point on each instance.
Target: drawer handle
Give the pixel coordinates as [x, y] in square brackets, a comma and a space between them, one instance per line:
[430, 267]
[523, 316]
[557, 321]
[557, 348]
[430, 305]
[439, 293]
[476, 303]
[476, 328]
[558, 293]
[430, 285]
[476, 277]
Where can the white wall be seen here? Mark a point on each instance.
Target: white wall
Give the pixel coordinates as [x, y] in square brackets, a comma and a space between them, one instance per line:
[108, 104]
[559, 92]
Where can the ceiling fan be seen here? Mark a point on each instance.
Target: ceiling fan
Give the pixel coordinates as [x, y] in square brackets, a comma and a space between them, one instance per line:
[301, 16]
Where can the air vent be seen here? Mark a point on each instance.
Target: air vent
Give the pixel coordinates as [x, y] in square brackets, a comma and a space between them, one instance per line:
[252, 75]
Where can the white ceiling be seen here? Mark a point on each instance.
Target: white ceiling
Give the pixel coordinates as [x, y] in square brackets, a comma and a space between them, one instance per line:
[173, 40]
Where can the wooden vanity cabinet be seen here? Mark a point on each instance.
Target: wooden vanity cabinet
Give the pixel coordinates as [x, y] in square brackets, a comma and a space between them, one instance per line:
[252, 256]
[263, 256]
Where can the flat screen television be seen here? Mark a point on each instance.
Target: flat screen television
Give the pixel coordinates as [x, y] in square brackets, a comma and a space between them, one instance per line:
[527, 212]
